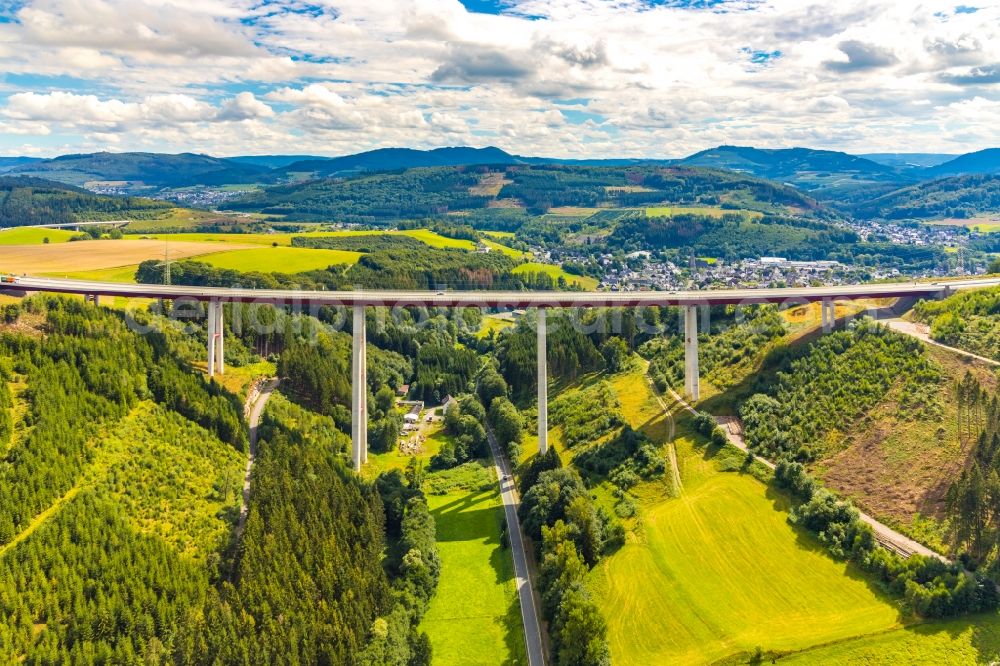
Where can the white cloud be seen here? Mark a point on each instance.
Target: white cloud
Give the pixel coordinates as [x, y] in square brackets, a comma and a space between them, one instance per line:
[657, 80]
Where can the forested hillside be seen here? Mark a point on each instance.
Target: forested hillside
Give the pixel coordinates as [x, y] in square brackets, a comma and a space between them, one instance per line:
[25, 200]
[956, 196]
[119, 491]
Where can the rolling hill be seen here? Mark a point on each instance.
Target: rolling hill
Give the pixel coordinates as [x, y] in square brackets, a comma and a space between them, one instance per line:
[954, 196]
[983, 161]
[152, 169]
[26, 200]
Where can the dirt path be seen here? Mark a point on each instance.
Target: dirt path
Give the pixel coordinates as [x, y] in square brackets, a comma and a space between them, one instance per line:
[256, 401]
[675, 472]
[922, 332]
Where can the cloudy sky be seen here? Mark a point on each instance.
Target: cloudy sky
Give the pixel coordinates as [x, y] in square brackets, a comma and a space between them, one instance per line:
[569, 78]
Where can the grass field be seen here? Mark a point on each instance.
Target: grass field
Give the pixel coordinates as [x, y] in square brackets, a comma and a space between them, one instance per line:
[115, 274]
[280, 259]
[28, 236]
[556, 272]
[719, 571]
[474, 618]
[711, 211]
[970, 640]
[93, 255]
[492, 323]
[509, 251]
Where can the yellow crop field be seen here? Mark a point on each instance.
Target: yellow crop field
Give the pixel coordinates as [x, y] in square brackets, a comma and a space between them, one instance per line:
[62, 258]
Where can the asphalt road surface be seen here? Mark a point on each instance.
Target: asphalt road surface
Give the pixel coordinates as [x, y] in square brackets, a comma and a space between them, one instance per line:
[497, 298]
[529, 611]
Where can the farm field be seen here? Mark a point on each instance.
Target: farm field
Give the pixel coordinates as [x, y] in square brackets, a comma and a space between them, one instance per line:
[115, 274]
[281, 259]
[95, 255]
[492, 323]
[180, 218]
[509, 251]
[424, 235]
[675, 592]
[984, 223]
[474, 618]
[689, 600]
[29, 236]
[712, 211]
[556, 272]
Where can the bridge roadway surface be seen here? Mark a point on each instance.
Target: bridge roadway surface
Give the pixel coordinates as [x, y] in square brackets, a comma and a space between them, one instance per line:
[513, 299]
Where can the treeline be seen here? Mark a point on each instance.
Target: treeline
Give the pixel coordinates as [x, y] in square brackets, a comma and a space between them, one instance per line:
[930, 587]
[832, 382]
[973, 500]
[570, 535]
[25, 200]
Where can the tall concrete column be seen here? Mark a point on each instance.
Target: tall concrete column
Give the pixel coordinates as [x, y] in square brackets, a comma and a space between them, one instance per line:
[220, 357]
[828, 315]
[691, 371]
[359, 391]
[543, 386]
[213, 322]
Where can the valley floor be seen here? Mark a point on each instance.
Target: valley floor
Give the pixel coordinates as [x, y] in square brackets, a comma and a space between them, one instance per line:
[474, 618]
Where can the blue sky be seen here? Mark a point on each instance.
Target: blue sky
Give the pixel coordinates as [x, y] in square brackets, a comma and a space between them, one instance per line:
[574, 78]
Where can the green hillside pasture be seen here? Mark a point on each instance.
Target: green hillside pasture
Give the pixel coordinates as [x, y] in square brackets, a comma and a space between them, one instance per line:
[509, 251]
[280, 259]
[555, 272]
[474, 618]
[719, 571]
[708, 211]
[960, 642]
[30, 236]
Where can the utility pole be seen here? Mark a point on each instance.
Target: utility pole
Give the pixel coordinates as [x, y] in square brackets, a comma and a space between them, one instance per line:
[166, 260]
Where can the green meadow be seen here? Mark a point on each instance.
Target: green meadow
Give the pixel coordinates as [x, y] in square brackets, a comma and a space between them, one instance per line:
[30, 236]
[474, 618]
[280, 259]
[556, 272]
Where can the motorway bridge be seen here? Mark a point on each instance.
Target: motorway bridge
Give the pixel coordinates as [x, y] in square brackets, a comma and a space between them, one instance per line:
[689, 301]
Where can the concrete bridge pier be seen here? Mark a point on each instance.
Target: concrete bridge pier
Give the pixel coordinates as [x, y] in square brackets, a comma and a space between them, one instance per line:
[92, 298]
[543, 386]
[692, 379]
[216, 349]
[359, 390]
[828, 314]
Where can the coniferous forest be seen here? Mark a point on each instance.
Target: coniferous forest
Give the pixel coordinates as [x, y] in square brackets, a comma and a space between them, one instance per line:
[120, 488]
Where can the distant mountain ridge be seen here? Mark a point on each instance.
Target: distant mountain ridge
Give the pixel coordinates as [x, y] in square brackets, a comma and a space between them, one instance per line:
[983, 161]
[154, 169]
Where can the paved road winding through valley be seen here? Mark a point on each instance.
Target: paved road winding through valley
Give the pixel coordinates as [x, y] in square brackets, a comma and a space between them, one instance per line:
[529, 610]
[255, 406]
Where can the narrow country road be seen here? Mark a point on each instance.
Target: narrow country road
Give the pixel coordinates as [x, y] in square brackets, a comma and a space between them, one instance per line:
[885, 535]
[675, 472]
[922, 332]
[254, 407]
[529, 611]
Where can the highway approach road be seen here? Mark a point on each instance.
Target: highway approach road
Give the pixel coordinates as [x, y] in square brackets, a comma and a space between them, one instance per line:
[529, 610]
